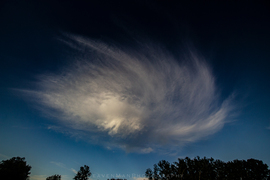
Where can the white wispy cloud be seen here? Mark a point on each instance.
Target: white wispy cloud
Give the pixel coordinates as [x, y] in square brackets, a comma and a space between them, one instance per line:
[2, 156]
[73, 170]
[59, 164]
[62, 165]
[138, 99]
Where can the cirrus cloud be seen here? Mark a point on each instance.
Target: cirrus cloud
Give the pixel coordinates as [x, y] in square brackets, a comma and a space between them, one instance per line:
[138, 99]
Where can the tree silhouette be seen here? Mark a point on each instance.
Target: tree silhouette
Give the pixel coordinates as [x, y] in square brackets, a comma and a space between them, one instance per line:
[164, 169]
[83, 173]
[149, 173]
[258, 169]
[208, 169]
[181, 168]
[14, 168]
[54, 177]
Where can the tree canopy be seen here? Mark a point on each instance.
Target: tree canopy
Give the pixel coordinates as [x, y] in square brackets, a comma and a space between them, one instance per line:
[14, 168]
[208, 169]
[83, 173]
[54, 177]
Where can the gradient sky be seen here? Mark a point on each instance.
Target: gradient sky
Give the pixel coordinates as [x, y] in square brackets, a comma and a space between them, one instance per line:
[121, 85]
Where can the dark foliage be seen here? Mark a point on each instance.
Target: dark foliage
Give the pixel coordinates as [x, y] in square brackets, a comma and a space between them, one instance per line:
[208, 169]
[14, 168]
[54, 177]
[83, 173]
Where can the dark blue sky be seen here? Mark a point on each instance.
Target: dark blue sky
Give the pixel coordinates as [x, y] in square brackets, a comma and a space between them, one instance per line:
[120, 85]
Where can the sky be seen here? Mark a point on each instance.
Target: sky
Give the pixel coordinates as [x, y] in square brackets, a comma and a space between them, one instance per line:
[121, 85]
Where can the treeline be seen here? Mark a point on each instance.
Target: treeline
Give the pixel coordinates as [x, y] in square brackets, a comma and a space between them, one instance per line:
[16, 168]
[209, 169]
[184, 169]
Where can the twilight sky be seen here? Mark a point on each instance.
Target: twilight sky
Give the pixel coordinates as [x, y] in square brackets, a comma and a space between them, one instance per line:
[120, 85]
